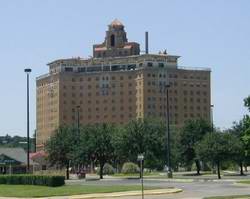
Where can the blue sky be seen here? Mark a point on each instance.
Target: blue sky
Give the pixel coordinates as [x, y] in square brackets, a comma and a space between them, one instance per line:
[214, 33]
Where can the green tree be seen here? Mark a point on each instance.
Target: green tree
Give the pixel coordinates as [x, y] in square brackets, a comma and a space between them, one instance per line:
[247, 102]
[60, 147]
[217, 147]
[192, 132]
[97, 144]
[145, 136]
[240, 130]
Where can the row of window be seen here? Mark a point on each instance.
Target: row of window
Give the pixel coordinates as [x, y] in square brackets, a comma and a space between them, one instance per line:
[176, 76]
[103, 92]
[73, 117]
[153, 106]
[104, 78]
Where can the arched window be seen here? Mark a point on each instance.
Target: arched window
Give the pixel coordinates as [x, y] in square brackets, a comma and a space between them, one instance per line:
[112, 40]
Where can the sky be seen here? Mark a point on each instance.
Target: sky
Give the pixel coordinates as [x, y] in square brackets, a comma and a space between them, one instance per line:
[212, 33]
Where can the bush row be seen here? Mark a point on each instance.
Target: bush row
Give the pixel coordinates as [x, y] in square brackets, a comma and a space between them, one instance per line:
[52, 181]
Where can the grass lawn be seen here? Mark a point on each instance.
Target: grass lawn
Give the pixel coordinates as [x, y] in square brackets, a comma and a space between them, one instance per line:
[244, 182]
[44, 191]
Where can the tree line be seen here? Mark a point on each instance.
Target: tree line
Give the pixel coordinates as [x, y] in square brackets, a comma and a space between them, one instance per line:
[197, 143]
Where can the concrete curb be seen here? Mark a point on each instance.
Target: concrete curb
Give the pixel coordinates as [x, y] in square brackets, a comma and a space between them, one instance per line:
[108, 195]
[127, 193]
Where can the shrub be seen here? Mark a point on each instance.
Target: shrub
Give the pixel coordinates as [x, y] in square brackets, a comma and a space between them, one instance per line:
[129, 168]
[107, 169]
[52, 181]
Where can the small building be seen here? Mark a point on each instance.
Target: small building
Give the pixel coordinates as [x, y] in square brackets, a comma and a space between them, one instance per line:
[40, 158]
[13, 161]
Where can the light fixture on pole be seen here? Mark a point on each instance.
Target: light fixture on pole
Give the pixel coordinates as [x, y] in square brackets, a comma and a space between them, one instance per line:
[28, 71]
[140, 158]
[78, 121]
[169, 172]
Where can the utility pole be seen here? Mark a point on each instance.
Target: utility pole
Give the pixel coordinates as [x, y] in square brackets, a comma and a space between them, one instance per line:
[28, 71]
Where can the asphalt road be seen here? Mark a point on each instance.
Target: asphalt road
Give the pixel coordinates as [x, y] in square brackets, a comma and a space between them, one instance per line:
[191, 190]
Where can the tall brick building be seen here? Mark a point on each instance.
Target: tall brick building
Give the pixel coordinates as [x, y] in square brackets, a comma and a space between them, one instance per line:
[119, 84]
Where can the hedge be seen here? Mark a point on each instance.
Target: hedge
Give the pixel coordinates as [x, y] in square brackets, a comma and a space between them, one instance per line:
[130, 168]
[52, 181]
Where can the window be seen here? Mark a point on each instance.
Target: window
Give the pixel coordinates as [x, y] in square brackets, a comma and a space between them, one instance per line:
[161, 65]
[81, 69]
[112, 40]
[68, 69]
[149, 64]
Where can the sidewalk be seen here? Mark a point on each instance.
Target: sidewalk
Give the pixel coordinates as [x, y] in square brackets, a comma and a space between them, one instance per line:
[127, 193]
[110, 195]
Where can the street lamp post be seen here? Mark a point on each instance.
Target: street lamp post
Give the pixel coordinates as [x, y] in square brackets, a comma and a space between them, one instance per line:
[211, 116]
[78, 121]
[141, 158]
[28, 71]
[170, 175]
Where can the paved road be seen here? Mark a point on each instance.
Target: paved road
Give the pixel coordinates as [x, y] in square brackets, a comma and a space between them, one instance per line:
[191, 190]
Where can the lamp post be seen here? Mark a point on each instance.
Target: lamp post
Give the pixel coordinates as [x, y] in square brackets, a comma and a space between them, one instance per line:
[78, 120]
[170, 175]
[141, 158]
[28, 71]
[211, 116]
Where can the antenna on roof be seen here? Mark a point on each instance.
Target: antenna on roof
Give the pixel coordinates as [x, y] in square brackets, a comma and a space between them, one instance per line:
[146, 42]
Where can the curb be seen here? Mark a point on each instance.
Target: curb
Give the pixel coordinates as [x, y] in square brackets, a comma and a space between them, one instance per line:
[127, 193]
[109, 195]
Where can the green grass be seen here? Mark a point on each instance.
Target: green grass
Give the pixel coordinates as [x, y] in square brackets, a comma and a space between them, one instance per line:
[229, 197]
[44, 191]
[244, 181]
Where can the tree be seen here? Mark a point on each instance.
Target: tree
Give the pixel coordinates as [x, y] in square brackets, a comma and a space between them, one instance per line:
[16, 141]
[60, 147]
[98, 143]
[218, 147]
[192, 132]
[247, 102]
[239, 130]
[145, 136]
